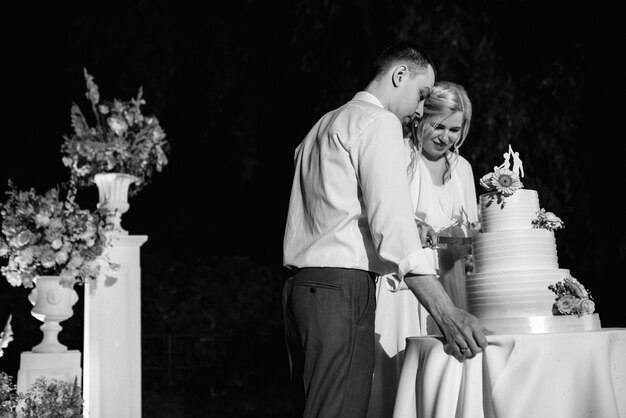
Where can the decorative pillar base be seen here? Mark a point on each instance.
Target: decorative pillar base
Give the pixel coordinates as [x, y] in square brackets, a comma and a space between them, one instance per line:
[112, 335]
[62, 366]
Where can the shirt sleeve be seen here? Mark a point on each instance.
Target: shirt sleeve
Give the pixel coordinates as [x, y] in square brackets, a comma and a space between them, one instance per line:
[378, 155]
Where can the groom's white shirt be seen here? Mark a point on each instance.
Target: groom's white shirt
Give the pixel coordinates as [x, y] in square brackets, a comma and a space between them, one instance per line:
[350, 204]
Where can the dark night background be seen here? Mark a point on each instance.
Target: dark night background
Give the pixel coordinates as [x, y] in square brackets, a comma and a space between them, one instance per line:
[236, 85]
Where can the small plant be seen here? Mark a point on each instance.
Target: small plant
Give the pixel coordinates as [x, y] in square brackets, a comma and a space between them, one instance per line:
[46, 398]
[51, 398]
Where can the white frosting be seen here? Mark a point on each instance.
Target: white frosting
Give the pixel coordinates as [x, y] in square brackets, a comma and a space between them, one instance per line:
[515, 250]
[513, 266]
[513, 212]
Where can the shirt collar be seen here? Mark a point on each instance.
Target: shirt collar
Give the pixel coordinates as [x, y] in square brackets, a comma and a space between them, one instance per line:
[368, 97]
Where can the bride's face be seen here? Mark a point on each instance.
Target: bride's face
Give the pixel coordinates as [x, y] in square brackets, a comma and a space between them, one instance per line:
[444, 135]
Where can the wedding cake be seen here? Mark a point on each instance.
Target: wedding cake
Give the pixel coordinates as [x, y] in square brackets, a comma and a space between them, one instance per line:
[516, 285]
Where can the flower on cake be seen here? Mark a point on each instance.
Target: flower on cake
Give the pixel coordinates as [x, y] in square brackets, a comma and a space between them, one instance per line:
[122, 140]
[50, 235]
[547, 220]
[572, 298]
[501, 180]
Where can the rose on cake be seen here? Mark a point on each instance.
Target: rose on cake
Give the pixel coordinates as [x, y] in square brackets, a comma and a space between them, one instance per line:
[572, 298]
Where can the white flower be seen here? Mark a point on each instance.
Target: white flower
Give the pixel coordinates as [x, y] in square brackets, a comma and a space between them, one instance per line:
[61, 257]
[56, 223]
[26, 255]
[13, 278]
[506, 181]
[587, 307]
[486, 182]
[42, 219]
[4, 248]
[48, 259]
[68, 275]
[75, 260]
[24, 237]
[119, 126]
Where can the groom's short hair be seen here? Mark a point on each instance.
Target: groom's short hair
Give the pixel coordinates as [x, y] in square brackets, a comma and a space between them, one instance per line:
[404, 52]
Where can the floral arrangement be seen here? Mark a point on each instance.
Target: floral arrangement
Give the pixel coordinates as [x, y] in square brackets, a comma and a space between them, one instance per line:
[502, 181]
[547, 220]
[45, 398]
[121, 140]
[572, 298]
[48, 235]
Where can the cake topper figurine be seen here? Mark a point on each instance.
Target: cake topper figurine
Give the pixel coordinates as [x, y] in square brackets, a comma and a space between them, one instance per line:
[517, 167]
[504, 180]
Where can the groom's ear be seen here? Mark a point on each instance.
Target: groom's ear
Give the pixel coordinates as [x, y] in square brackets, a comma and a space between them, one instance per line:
[399, 73]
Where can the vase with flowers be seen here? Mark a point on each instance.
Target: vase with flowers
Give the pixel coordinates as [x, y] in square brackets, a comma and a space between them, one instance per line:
[115, 148]
[51, 244]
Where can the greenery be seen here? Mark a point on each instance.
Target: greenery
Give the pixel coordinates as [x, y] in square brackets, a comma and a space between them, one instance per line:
[45, 398]
[8, 394]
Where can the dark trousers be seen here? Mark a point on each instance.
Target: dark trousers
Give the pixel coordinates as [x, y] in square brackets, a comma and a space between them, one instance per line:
[329, 329]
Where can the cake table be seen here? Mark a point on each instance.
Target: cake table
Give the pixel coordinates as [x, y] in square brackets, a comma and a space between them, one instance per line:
[568, 375]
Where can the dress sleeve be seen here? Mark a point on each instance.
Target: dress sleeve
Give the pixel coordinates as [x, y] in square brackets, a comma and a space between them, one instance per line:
[469, 186]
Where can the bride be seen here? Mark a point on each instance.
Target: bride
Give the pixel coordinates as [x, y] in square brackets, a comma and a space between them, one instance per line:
[444, 197]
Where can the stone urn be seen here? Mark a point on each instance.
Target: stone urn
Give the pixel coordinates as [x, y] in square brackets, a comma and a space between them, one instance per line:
[113, 196]
[52, 303]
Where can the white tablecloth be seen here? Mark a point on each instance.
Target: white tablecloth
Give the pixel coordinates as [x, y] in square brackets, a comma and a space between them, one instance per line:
[566, 375]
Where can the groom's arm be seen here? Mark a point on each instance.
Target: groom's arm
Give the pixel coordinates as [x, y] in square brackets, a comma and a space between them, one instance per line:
[460, 328]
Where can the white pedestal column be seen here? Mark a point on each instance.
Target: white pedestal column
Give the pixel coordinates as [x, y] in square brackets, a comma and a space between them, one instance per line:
[112, 334]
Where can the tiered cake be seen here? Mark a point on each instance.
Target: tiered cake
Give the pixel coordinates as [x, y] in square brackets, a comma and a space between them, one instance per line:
[516, 265]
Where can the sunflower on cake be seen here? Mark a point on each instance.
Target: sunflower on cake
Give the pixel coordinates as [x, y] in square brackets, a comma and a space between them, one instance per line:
[515, 273]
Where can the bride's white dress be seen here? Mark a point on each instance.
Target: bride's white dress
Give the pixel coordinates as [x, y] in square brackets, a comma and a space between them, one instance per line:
[447, 208]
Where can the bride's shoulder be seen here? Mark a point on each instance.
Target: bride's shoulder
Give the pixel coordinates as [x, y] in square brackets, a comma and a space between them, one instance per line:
[462, 162]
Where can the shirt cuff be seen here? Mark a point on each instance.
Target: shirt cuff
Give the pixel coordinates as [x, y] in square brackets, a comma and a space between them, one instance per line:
[418, 262]
[393, 283]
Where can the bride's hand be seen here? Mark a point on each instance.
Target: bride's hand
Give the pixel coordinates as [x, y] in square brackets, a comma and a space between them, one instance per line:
[428, 237]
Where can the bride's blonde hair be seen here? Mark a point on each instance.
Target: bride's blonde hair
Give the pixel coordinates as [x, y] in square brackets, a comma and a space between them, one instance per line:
[445, 99]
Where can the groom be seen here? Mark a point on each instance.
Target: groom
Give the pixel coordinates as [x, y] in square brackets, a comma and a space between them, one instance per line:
[350, 219]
